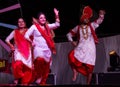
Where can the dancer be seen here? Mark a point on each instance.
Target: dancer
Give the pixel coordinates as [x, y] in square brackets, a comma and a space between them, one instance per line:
[22, 61]
[82, 57]
[43, 45]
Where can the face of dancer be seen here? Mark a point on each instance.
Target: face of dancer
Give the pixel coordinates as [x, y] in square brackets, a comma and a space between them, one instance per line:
[21, 23]
[42, 19]
[85, 21]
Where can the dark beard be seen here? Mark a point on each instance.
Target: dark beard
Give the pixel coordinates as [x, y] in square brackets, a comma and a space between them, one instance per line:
[85, 23]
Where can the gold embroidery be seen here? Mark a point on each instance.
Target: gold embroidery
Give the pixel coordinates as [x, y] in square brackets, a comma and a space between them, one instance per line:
[85, 31]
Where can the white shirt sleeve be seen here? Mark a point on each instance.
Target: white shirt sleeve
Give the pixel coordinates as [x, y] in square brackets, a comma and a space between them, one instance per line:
[29, 32]
[10, 36]
[70, 35]
[54, 25]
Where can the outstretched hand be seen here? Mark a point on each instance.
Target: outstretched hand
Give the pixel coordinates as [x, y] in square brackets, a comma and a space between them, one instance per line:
[102, 12]
[56, 11]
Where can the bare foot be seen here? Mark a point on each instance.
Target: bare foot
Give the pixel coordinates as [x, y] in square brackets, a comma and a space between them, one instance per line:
[75, 73]
[89, 77]
[38, 81]
[15, 81]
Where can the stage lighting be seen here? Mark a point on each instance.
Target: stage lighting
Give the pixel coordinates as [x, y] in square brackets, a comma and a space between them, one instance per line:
[114, 61]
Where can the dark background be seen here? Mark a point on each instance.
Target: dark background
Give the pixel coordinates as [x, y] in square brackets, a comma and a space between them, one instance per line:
[69, 11]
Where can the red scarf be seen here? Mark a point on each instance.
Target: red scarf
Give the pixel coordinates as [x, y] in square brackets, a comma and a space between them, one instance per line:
[94, 34]
[22, 44]
[47, 36]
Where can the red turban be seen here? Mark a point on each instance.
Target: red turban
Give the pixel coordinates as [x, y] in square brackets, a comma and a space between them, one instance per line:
[87, 13]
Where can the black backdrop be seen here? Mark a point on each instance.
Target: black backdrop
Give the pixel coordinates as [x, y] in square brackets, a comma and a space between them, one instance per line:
[69, 14]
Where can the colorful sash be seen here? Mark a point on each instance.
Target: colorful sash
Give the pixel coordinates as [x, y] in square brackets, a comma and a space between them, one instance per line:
[22, 44]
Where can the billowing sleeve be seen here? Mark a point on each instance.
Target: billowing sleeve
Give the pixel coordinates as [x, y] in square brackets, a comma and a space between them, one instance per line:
[29, 32]
[72, 33]
[54, 25]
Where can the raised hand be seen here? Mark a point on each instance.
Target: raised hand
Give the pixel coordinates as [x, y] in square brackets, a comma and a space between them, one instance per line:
[102, 12]
[56, 11]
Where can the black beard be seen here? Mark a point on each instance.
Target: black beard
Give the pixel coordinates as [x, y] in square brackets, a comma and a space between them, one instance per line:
[85, 23]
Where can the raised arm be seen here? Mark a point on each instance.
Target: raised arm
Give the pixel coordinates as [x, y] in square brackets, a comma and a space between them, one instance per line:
[56, 15]
[100, 19]
[57, 20]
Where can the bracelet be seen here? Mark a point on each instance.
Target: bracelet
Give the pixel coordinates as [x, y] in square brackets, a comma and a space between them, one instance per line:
[57, 16]
[57, 20]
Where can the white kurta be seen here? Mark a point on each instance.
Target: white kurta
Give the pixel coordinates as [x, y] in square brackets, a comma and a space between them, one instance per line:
[41, 48]
[85, 51]
[18, 55]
